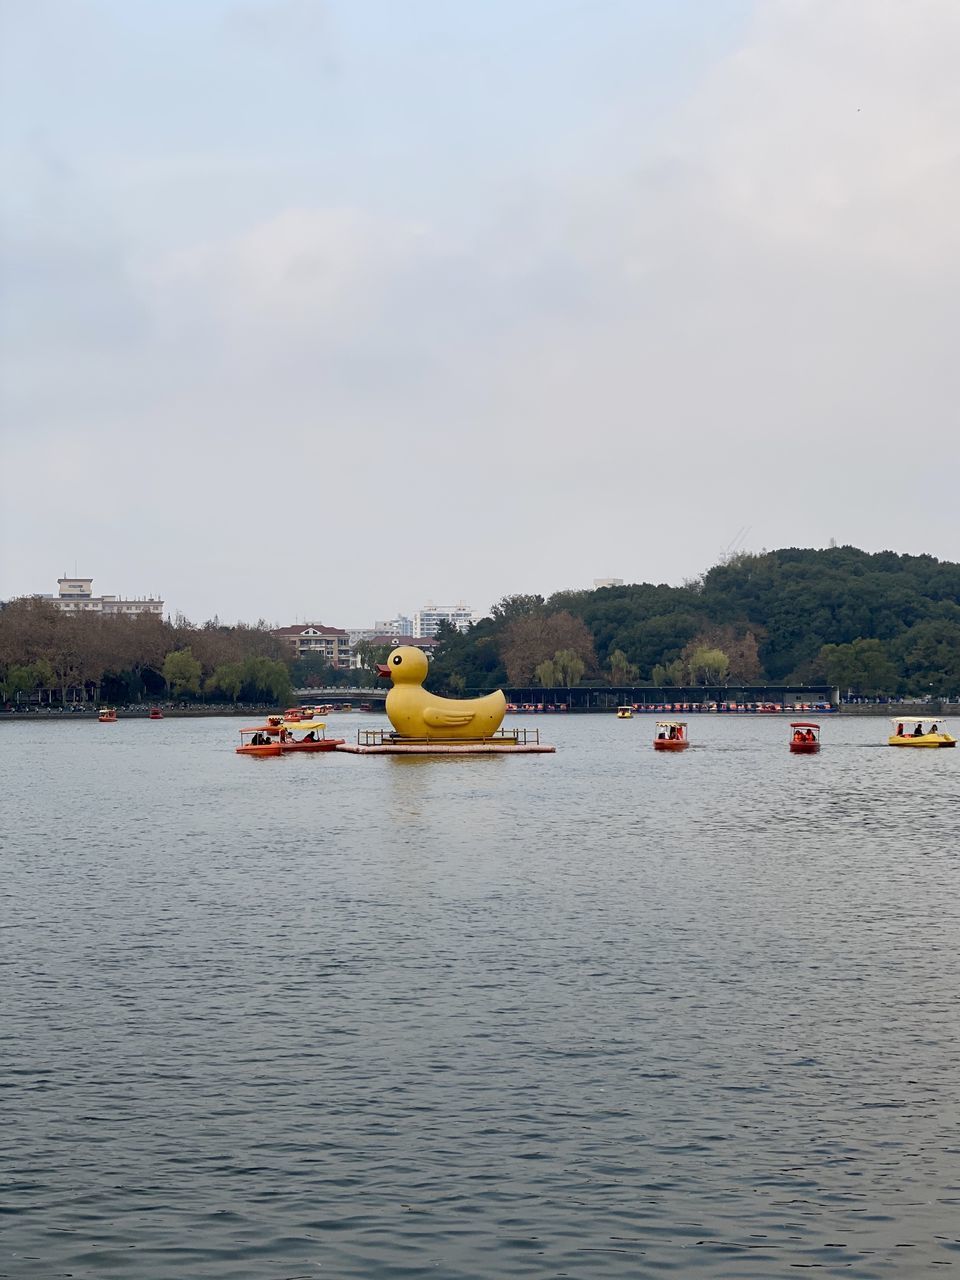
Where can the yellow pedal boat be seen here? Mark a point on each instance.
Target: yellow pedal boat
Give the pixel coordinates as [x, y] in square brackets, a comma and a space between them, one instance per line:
[912, 731]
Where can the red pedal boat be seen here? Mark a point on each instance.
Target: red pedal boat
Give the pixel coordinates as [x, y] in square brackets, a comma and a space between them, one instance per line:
[257, 742]
[805, 740]
[671, 736]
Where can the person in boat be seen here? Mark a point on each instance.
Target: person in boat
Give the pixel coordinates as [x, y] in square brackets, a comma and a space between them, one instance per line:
[679, 732]
[933, 728]
[798, 735]
[899, 730]
[662, 735]
[310, 737]
[810, 736]
[673, 733]
[918, 731]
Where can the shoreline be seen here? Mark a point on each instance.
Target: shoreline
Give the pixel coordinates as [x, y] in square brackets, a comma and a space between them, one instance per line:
[889, 711]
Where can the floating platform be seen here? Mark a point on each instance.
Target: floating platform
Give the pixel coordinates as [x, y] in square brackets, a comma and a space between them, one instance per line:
[508, 742]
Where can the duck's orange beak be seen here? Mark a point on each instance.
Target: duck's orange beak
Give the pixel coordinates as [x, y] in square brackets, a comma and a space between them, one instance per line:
[382, 670]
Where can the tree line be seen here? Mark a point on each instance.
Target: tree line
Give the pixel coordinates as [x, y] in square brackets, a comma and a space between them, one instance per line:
[52, 656]
[869, 624]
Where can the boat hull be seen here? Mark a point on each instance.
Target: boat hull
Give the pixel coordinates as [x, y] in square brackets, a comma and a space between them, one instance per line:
[924, 740]
[272, 749]
[324, 744]
[804, 748]
[666, 744]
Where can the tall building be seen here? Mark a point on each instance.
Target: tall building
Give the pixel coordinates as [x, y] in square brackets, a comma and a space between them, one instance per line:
[75, 595]
[398, 626]
[427, 621]
[314, 640]
[607, 582]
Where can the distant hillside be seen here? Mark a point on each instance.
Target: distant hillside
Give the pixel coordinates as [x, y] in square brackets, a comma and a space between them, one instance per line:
[881, 623]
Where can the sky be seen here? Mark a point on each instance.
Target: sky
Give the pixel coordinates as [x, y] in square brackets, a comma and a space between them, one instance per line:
[324, 309]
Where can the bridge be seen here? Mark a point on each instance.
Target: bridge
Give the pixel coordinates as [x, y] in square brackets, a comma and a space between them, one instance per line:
[339, 694]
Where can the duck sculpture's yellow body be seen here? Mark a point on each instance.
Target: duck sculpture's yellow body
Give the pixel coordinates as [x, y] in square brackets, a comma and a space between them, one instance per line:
[414, 713]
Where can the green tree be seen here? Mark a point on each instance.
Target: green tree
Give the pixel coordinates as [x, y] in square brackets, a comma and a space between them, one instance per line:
[929, 657]
[228, 679]
[862, 667]
[622, 670]
[707, 666]
[569, 667]
[278, 681]
[674, 673]
[182, 672]
[17, 681]
[509, 608]
[546, 674]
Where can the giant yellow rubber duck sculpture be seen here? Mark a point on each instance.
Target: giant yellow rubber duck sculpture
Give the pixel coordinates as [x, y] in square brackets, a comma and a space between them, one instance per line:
[414, 713]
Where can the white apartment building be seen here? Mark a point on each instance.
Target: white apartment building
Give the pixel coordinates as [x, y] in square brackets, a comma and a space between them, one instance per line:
[427, 621]
[75, 595]
[398, 626]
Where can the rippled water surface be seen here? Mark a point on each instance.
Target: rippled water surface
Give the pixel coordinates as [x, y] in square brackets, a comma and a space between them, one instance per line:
[600, 1014]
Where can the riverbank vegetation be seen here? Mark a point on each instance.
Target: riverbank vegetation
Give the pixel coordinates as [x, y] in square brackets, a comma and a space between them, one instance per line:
[870, 624]
[882, 624]
[49, 656]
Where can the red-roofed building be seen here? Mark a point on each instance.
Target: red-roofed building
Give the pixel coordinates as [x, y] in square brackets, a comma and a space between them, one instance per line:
[314, 640]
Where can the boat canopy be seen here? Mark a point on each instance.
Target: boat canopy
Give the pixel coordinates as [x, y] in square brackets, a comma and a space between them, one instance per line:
[805, 724]
[304, 724]
[916, 719]
[671, 724]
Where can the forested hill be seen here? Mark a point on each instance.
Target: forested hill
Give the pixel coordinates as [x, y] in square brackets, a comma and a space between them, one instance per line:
[882, 623]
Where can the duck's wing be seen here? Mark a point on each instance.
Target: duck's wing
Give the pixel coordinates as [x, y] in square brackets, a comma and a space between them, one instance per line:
[441, 718]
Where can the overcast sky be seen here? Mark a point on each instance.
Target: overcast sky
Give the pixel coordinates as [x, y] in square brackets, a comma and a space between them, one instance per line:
[326, 308]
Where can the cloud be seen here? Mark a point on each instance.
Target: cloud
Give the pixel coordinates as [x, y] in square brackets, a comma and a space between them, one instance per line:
[834, 128]
[747, 312]
[298, 33]
[306, 271]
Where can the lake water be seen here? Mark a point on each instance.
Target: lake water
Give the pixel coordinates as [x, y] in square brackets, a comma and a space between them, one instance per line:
[607, 1013]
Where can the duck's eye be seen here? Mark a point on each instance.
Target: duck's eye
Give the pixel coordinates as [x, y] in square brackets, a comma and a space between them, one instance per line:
[397, 660]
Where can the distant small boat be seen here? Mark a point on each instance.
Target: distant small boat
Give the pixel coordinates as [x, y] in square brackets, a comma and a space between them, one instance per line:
[107, 715]
[624, 713]
[671, 736]
[155, 713]
[806, 738]
[909, 731]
